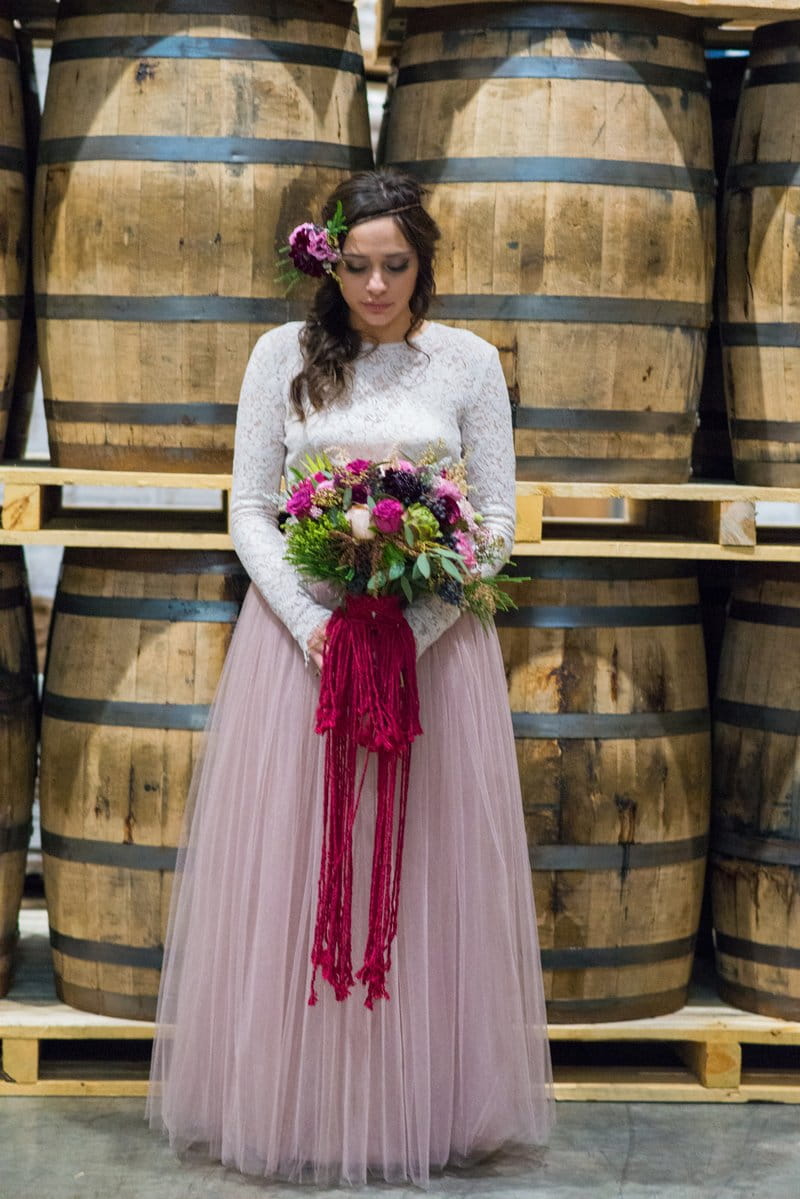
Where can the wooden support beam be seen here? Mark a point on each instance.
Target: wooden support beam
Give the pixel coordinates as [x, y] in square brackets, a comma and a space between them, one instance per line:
[714, 1063]
[28, 506]
[21, 1059]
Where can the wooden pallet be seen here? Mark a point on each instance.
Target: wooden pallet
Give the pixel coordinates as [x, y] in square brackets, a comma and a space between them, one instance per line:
[634, 520]
[692, 1056]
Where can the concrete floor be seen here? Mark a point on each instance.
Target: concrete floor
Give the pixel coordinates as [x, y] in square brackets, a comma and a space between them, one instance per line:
[101, 1149]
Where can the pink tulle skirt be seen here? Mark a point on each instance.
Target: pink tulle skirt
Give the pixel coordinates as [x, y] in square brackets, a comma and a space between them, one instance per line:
[455, 1065]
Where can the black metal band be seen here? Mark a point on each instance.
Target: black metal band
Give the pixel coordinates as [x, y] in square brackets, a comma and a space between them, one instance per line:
[242, 310]
[753, 999]
[11, 307]
[17, 690]
[775, 37]
[611, 420]
[593, 310]
[12, 158]
[233, 151]
[784, 956]
[765, 430]
[775, 850]
[188, 717]
[616, 1007]
[771, 76]
[746, 175]
[574, 18]
[774, 614]
[135, 608]
[236, 49]
[771, 334]
[602, 569]
[757, 716]
[613, 469]
[186, 415]
[13, 597]
[608, 726]
[122, 1006]
[15, 837]
[616, 955]
[326, 12]
[109, 853]
[140, 957]
[600, 70]
[162, 562]
[618, 857]
[607, 172]
[600, 616]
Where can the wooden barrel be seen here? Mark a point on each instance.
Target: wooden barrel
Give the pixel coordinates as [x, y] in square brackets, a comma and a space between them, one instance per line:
[711, 450]
[568, 152]
[13, 212]
[17, 746]
[27, 367]
[761, 296]
[608, 694]
[137, 646]
[755, 846]
[180, 144]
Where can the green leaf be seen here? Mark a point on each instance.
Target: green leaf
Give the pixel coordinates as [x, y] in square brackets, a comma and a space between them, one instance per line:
[397, 570]
[424, 565]
[370, 502]
[409, 594]
[452, 569]
[409, 535]
[347, 497]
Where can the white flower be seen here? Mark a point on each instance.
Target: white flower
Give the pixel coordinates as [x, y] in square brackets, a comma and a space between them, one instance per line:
[358, 517]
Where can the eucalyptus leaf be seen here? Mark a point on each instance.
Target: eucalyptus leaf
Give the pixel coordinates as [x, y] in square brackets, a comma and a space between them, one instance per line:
[347, 497]
[452, 569]
[409, 535]
[423, 563]
[404, 583]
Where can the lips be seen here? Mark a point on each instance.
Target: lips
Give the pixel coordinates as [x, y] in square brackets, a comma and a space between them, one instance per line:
[377, 307]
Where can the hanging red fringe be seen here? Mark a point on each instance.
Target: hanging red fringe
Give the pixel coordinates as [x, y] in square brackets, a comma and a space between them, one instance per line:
[368, 698]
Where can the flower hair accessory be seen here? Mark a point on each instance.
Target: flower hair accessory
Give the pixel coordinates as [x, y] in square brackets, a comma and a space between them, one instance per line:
[312, 249]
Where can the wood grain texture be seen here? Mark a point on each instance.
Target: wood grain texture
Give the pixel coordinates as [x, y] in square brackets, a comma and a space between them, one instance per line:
[117, 780]
[595, 648]
[761, 294]
[572, 176]
[17, 746]
[755, 863]
[13, 219]
[192, 239]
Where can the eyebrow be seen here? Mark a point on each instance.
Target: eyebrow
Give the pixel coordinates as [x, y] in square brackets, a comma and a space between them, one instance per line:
[391, 254]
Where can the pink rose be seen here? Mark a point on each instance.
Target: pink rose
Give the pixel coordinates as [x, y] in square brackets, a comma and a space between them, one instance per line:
[446, 488]
[358, 466]
[301, 499]
[358, 517]
[320, 477]
[387, 515]
[326, 485]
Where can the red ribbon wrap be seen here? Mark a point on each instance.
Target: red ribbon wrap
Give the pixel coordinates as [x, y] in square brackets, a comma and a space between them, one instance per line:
[368, 698]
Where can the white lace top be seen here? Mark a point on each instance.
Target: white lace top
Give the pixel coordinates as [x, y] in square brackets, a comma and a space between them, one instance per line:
[449, 388]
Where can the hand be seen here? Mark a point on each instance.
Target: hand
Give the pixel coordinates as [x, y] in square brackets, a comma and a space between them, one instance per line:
[316, 643]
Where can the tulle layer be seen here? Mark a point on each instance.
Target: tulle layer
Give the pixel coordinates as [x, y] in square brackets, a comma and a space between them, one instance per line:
[455, 1064]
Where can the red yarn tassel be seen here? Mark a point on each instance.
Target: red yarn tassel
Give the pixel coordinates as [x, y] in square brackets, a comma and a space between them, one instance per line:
[368, 698]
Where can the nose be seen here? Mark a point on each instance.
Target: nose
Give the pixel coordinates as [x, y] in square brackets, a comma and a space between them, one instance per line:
[376, 284]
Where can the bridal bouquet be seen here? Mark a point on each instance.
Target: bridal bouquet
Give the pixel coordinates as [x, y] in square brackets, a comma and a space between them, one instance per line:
[392, 528]
[385, 533]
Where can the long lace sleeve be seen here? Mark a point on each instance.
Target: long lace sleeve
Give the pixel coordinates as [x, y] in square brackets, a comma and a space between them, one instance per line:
[487, 442]
[257, 466]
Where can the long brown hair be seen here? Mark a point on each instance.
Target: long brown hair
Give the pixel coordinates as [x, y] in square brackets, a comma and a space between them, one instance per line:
[328, 341]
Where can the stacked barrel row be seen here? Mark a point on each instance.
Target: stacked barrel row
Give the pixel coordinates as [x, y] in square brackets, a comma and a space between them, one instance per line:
[179, 145]
[570, 160]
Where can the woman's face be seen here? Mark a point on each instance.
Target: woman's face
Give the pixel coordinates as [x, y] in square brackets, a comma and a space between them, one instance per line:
[378, 274]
